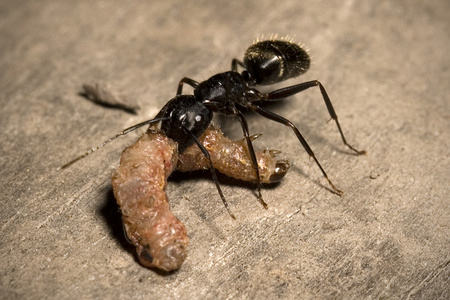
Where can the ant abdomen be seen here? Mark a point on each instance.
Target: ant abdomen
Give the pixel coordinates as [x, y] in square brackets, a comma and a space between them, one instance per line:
[273, 61]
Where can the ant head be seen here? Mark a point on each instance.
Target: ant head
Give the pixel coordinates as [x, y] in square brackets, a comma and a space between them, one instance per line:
[272, 61]
[185, 113]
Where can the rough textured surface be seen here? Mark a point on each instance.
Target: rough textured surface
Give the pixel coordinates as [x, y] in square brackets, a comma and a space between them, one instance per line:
[386, 67]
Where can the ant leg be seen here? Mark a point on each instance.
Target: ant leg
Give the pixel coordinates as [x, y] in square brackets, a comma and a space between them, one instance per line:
[251, 151]
[186, 80]
[274, 117]
[234, 64]
[213, 171]
[291, 90]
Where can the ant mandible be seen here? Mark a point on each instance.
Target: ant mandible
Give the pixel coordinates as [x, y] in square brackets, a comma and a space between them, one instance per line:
[265, 62]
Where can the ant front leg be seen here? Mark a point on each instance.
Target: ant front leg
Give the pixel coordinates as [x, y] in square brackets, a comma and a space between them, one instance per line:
[274, 117]
[292, 90]
[211, 167]
[188, 81]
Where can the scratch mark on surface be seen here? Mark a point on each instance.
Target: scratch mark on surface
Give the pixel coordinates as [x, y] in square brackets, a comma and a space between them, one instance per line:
[10, 220]
[428, 280]
[225, 254]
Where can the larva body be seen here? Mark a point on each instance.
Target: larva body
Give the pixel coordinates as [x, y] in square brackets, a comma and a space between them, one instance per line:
[139, 182]
[159, 237]
[232, 158]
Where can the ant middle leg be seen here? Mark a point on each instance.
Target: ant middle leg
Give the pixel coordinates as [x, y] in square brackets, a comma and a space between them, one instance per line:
[292, 90]
[274, 117]
[188, 81]
[251, 151]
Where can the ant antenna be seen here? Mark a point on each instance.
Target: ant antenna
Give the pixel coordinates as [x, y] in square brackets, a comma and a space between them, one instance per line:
[123, 132]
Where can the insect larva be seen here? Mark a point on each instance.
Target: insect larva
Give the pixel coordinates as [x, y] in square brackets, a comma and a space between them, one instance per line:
[159, 237]
[232, 159]
[139, 182]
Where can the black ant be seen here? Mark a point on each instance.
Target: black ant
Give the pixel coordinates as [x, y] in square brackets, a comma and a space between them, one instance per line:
[185, 117]
[265, 63]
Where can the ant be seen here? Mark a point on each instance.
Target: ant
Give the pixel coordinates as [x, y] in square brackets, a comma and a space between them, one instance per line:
[186, 117]
[265, 62]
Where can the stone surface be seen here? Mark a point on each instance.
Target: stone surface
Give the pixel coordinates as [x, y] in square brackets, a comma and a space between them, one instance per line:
[386, 67]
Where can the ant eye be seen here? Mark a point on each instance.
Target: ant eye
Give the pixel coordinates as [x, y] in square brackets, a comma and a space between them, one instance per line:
[198, 118]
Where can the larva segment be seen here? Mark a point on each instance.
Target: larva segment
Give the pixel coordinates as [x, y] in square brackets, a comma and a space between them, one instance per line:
[231, 158]
[159, 237]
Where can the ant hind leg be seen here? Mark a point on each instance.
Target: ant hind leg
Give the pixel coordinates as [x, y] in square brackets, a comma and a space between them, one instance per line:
[274, 117]
[292, 90]
[234, 64]
[188, 81]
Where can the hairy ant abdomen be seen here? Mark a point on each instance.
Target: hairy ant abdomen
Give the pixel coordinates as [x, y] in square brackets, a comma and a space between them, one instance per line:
[273, 61]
